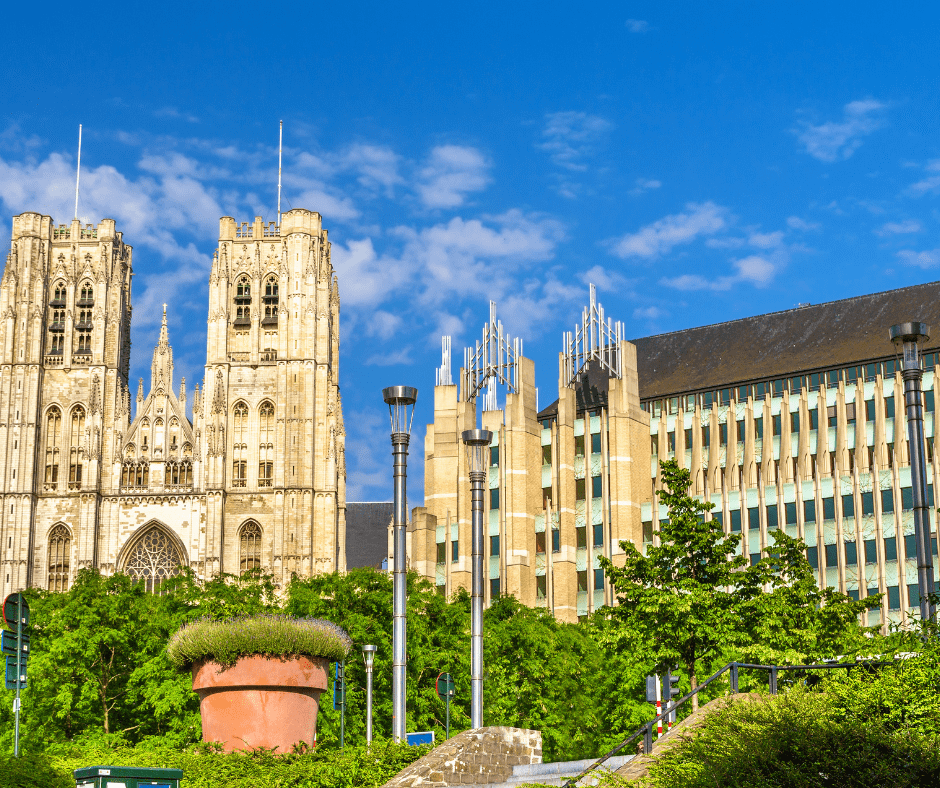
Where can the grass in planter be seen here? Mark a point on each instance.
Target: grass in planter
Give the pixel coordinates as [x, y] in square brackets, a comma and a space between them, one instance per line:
[268, 635]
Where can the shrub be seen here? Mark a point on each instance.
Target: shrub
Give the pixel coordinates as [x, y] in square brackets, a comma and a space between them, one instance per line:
[270, 635]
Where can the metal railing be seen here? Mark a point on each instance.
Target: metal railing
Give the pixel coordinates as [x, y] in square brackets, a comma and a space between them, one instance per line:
[646, 730]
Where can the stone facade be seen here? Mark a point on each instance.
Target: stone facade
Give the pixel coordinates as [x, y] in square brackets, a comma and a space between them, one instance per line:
[255, 479]
[564, 485]
[477, 757]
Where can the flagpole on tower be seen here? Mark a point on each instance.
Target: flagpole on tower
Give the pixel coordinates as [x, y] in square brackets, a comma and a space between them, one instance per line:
[280, 150]
[78, 167]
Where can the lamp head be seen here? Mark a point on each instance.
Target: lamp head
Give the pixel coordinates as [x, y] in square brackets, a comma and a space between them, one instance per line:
[401, 403]
[907, 337]
[368, 655]
[478, 447]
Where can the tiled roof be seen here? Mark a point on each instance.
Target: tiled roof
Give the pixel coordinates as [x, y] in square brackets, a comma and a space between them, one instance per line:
[780, 344]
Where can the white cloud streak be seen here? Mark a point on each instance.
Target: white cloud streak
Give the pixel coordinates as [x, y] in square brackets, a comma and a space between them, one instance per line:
[838, 140]
[450, 173]
[662, 235]
[571, 137]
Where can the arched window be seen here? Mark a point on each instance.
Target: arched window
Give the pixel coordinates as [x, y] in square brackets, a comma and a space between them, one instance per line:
[152, 558]
[266, 444]
[60, 548]
[145, 436]
[239, 445]
[53, 436]
[179, 474]
[174, 435]
[249, 551]
[57, 320]
[243, 300]
[270, 300]
[76, 432]
[83, 324]
[135, 474]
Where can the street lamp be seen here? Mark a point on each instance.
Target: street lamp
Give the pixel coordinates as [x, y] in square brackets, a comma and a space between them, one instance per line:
[368, 656]
[478, 449]
[401, 402]
[907, 336]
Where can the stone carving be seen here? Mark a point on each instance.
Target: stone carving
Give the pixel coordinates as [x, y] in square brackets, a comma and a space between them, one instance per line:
[218, 397]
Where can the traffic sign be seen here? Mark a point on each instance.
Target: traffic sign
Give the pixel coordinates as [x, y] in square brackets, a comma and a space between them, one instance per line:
[445, 686]
[15, 668]
[10, 605]
[10, 644]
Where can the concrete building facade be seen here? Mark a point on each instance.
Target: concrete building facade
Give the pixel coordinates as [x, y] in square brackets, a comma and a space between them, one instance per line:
[255, 479]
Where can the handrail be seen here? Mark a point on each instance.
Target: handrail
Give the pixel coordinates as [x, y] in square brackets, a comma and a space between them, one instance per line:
[647, 727]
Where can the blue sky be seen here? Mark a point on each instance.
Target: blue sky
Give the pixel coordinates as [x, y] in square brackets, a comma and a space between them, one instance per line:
[698, 162]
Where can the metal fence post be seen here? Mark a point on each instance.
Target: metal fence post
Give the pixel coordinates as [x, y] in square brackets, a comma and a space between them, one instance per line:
[773, 680]
[734, 678]
[648, 739]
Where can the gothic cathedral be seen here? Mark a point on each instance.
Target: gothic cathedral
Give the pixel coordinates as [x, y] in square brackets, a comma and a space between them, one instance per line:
[255, 479]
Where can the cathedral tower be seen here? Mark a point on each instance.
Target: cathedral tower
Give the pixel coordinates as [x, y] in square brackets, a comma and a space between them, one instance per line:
[270, 420]
[64, 356]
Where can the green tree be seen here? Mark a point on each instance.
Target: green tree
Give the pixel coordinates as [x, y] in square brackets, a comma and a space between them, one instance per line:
[692, 600]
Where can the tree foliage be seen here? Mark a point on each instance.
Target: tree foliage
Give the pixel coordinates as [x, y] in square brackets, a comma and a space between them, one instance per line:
[693, 601]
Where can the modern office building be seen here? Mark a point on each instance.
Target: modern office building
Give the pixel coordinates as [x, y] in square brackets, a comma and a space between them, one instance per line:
[790, 420]
[255, 479]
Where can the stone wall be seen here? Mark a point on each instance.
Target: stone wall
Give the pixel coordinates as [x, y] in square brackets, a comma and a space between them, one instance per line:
[478, 757]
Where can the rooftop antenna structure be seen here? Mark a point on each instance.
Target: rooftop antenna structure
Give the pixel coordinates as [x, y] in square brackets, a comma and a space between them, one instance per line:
[280, 151]
[78, 167]
[443, 376]
[594, 340]
[494, 360]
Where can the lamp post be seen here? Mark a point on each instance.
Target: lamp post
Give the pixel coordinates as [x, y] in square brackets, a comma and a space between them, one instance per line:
[478, 449]
[401, 402]
[907, 336]
[368, 656]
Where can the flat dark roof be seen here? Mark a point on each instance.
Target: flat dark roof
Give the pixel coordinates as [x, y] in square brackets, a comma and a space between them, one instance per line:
[782, 344]
[367, 533]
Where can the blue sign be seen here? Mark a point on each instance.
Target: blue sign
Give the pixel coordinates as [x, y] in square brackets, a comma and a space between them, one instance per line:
[422, 737]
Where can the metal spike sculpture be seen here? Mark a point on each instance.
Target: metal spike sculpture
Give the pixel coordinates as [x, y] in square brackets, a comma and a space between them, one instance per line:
[594, 340]
[494, 361]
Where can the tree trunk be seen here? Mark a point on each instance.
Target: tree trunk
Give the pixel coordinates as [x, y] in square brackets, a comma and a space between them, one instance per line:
[694, 682]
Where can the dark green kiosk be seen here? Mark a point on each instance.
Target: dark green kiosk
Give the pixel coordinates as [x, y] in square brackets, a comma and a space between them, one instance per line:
[127, 777]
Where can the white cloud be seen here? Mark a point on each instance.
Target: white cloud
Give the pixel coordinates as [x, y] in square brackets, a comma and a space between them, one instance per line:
[173, 112]
[383, 324]
[796, 223]
[926, 259]
[570, 137]
[765, 240]
[638, 26]
[605, 280]
[899, 228]
[837, 140]
[377, 167]
[931, 183]
[757, 270]
[662, 235]
[647, 313]
[390, 358]
[450, 173]
[645, 184]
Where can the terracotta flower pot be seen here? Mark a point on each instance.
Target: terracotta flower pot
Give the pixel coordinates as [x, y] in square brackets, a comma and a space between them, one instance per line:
[260, 701]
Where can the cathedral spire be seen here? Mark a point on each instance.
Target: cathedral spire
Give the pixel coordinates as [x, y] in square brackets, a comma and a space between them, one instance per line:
[161, 371]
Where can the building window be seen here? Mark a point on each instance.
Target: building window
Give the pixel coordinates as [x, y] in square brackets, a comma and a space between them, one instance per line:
[60, 548]
[57, 320]
[179, 474]
[581, 537]
[540, 542]
[889, 407]
[887, 501]
[869, 410]
[441, 552]
[243, 301]
[598, 579]
[266, 444]
[546, 497]
[76, 433]
[582, 581]
[759, 428]
[239, 445]
[597, 486]
[598, 535]
[547, 455]
[454, 551]
[851, 553]
[84, 305]
[249, 546]
[153, 558]
[494, 587]
[540, 587]
[829, 509]
[578, 445]
[753, 518]
[871, 551]
[53, 436]
[556, 540]
[891, 549]
[809, 511]
[494, 545]
[595, 443]
[868, 504]
[771, 516]
[579, 485]
[494, 498]
[723, 433]
[270, 301]
[494, 456]
[735, 520]
[794, 422]
[812, 556]
[135, 474]
[894, 598]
